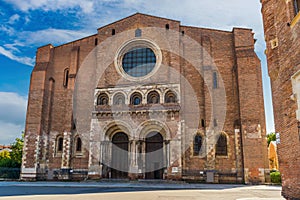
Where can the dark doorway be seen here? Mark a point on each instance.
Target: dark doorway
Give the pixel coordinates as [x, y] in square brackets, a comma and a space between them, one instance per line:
[119, 164]
[154, 156]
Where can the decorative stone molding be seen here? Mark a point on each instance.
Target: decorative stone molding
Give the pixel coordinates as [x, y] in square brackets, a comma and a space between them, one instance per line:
[143, 90]
[296, 92]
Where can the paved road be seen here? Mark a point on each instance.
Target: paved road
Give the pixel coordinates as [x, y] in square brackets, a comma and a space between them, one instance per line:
[135, 191]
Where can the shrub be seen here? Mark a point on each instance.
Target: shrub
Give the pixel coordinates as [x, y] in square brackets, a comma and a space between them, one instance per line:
[275, 177]
[9, 163]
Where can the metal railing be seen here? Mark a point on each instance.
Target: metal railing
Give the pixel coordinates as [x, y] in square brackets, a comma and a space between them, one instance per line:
[9, 173]
[69, 174]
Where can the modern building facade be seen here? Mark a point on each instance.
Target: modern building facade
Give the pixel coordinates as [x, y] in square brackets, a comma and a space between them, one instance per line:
[148, 98]
[5, 148]
[282, 35]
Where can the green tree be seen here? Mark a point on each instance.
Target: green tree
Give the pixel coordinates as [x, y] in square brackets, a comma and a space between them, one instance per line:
[4, 155]
[271, 137]
[5, 159]
[17, 150]
[13, 159]
[10, 162]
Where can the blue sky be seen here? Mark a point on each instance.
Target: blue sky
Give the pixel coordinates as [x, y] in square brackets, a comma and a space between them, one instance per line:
[28, 24]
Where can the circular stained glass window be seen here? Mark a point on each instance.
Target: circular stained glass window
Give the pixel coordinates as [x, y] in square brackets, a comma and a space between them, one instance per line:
[139, 62]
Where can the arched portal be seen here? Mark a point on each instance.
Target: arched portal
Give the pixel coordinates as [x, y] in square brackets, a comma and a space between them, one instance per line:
[154, 156]
[119, 164]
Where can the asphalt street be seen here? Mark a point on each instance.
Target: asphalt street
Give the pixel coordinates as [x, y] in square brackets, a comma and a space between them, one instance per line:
[134, 191]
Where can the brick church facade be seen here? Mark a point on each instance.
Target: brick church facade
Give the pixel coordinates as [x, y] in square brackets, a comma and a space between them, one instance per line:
[282, 35]
[148, 98]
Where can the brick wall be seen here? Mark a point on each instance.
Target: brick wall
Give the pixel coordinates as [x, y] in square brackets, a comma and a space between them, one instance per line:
[283, 40]
[229, 53]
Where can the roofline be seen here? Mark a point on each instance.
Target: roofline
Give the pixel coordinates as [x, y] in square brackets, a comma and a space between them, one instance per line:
[209, 29]
[76, 40]
[46, 45]
[250, 29]
[137, 13]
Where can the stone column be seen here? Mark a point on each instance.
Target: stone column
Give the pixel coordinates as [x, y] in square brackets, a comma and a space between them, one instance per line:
[143, 157]
[105, 160]
[133, 167]
[238, 155]
[140, 160]
[210, 157]
[167, 153]
[66, 155]
[65, 164]
[166, 157]
[100, 160]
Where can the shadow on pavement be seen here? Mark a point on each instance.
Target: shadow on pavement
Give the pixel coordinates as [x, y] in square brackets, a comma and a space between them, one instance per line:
[60, 188]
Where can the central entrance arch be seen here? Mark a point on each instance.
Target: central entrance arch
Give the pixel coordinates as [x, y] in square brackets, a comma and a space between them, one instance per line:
[154, 156]
[119, 164]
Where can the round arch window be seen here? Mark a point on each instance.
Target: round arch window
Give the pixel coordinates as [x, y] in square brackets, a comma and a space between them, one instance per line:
[102, 99]
[136, 99]
[153, 98]
[119, 99]
[138, 59]
[170, 97]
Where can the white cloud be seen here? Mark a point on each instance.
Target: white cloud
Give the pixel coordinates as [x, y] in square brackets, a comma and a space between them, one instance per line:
[7, 29]
[9, 132]
[205, 13]
[14, 18]
[53, 5]
[13, 107]
[22, 59]
[36, 39]
[12, 116]
[218, 14]
[27, 19]
[1, 12]
[12, 47]
[53, 36]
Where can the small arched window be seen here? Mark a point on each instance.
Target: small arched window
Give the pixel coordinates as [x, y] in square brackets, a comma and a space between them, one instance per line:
[78, 145]
[202, 123]
[215, 122]
[66, 77]
[138, 32]
[96, 41]
[113, 31]
[297, 6]
[221, 147]
[136, 99]
[167, 26]
[170, 97]
[153, 98]
[102, 99]
[215, 80]
[59, 144]
[119, 99]
[197, 144]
